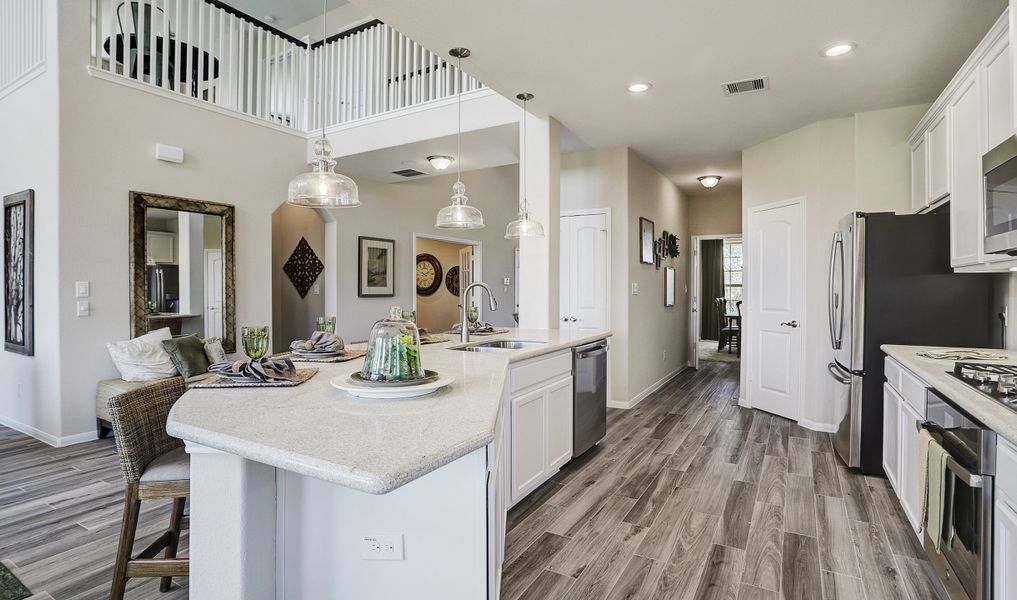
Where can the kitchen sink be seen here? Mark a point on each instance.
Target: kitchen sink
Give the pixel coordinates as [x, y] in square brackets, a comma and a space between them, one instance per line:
[498, 346]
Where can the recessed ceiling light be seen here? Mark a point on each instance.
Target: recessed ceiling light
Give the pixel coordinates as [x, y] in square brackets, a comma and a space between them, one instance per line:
[440, 162]
[640, 87]
[268, 19]
[709, 181]
[839, 49]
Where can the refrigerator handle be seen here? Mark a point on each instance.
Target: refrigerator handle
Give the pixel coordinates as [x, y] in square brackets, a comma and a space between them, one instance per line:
[836, 330]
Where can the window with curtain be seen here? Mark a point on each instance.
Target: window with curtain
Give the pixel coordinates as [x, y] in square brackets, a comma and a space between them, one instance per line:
[732, 273]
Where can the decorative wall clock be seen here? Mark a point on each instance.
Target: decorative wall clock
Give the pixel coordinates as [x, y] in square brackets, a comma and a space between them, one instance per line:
[452, 281]
[429, 274]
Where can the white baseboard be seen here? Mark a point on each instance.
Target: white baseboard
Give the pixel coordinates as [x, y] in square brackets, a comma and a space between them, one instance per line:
[49, 438]
[814, 426]
[645, 393]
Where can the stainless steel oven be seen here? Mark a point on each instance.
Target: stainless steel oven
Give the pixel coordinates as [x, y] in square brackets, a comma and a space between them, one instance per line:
[964, 561]
[999, 166]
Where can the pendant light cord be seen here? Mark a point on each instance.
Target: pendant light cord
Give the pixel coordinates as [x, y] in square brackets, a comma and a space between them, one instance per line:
[459, 136]
[522, 159]
[321, 62]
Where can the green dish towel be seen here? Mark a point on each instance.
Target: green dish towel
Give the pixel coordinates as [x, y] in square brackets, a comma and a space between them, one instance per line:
[936, 484]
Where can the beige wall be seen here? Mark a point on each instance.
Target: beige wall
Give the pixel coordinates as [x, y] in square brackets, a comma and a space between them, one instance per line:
[643, 329]
[838, 166]
[716, 214]
[439, 311]
[293, 317]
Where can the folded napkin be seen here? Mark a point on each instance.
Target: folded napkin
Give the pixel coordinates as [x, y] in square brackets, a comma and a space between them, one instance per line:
[321, 341]
[263, 369]
[958, 354]
[480, 327]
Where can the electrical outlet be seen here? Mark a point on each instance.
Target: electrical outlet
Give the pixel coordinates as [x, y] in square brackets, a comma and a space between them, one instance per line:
[665, 355]
[316, 290]
[382, 547]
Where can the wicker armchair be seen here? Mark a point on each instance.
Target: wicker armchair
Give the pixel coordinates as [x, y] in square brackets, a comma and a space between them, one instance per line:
[154, 466]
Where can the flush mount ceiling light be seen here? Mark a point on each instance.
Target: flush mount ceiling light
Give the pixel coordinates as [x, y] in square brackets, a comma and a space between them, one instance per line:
[839, 49]
[639, 87]
[440, 162]
[524, 226]
[709, 181]
[459, 215]
[323, 187]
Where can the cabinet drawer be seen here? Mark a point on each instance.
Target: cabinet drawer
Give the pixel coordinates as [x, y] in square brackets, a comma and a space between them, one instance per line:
[892, 371]
[912, 390]
[539, 370]
[1006, 471]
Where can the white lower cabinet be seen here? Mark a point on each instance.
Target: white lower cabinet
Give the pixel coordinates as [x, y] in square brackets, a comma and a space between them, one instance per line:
[541, 421]
[891, 435]
[1005, 551]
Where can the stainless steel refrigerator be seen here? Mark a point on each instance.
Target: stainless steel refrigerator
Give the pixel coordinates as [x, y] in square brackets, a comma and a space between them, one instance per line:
[891, 282]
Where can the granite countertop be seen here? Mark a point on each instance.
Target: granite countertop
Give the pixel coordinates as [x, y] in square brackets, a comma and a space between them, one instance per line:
[374, 446]
[936, 374]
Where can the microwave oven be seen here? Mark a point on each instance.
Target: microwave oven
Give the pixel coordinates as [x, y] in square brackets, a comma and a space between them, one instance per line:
[999, 167]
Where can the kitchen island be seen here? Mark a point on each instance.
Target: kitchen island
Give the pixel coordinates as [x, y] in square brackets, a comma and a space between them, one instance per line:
[308, 492]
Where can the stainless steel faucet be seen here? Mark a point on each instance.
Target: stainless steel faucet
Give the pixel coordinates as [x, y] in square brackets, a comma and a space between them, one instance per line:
[464, 335]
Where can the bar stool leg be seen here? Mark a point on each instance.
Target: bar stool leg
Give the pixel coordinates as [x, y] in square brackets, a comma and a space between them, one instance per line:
[128, 529]
[171, 550]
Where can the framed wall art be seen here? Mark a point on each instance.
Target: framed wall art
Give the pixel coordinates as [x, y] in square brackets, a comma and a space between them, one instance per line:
[376, 267]
[646, 241]
[669, 284]
[19, 308]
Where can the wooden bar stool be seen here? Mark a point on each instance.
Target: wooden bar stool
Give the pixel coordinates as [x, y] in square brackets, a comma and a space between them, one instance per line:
[154, 466]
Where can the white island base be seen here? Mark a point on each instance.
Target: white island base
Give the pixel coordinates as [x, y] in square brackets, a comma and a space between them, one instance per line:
[261, 533]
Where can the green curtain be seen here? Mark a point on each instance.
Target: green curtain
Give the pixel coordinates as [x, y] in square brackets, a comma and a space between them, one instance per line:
[712, 264]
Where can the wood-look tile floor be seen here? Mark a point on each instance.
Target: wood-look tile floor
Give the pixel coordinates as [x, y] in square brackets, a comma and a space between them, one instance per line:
[60, 512]
[692, 496]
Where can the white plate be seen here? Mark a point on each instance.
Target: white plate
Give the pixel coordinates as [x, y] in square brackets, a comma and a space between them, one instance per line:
[346, 384]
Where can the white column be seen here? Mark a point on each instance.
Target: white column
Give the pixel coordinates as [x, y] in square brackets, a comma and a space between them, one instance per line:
[233, 527]
[539, 257]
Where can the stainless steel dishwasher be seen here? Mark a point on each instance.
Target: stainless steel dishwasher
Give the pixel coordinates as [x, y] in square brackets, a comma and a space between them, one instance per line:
[589, 401]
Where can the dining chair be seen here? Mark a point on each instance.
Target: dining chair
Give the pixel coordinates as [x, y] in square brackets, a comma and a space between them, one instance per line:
[154, 466]
[737, 335]
[154, 18]
[722, 324]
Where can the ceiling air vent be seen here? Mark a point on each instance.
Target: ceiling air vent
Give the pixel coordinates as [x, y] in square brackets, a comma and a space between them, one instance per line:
[408, 173]
[745, 86]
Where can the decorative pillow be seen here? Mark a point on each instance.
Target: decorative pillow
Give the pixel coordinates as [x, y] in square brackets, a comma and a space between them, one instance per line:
[188, 354]
[214, 351]
[143, 358]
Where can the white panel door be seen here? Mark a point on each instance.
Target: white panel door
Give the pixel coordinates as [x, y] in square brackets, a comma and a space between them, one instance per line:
[938, 144]
[559, 423]
[1005, 551]
[584, 272]
[776, 307]
[998, 95]
[910, 495]
[213, 293]
[891, 435]
[919, 179]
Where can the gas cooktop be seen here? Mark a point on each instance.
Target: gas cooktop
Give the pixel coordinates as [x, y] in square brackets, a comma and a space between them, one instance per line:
[996, 381]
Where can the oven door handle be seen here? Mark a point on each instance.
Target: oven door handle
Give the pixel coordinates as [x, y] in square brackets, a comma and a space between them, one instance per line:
[970, 479]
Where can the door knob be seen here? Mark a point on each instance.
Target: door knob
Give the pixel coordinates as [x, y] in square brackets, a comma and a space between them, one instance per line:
[792, 324]
[573, 319]
[564, 319]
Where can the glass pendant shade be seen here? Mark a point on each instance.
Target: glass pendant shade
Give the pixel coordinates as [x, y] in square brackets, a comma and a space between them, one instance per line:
[323, 187]
[524, 226]
[459, 215]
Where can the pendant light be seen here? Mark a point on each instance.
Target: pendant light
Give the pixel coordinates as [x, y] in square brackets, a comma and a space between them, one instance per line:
[323, 187]
[524, 226]
[459, 215]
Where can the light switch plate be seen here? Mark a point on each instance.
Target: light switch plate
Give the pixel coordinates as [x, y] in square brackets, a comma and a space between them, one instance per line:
[382, 547]
[81, 289]
[83, 308]
[316, 290]
[507, 281]
[635, 289]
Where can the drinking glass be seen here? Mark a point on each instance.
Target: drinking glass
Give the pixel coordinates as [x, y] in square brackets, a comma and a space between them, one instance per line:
[326, 324]
[255, 341]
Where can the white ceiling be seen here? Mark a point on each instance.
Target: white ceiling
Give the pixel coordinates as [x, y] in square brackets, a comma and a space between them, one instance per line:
[287, 13]
[482, 149]
[577, 57]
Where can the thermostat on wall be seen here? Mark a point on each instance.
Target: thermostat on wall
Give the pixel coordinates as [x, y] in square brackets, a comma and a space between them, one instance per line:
[171, 154]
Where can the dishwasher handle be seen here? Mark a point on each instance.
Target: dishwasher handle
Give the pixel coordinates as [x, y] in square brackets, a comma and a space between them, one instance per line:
[602, 350]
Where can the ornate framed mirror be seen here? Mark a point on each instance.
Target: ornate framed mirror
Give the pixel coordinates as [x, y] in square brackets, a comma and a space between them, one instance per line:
[182, 267]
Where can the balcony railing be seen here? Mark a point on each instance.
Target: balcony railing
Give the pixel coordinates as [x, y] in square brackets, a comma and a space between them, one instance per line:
[212, 53]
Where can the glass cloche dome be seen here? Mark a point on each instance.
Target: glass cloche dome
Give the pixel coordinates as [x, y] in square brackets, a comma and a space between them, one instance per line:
[393, 350]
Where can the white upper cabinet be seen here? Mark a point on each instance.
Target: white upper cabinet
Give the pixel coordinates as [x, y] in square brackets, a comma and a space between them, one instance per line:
[919, 183]
[966, 166]
[938, 148]
[997, 78]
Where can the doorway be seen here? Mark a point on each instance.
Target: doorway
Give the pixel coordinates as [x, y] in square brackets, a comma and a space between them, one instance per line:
[585, 270]
[715, 328]
[443, 267]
